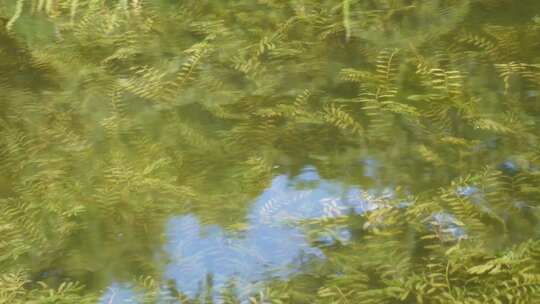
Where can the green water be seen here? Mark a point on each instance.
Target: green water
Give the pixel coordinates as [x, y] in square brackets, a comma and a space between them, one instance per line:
[269, 151]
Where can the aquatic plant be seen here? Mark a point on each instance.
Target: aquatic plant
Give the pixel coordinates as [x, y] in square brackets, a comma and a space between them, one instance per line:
[116, 114]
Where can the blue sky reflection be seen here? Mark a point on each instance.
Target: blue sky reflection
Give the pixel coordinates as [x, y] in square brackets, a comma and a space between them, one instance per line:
[271, 247]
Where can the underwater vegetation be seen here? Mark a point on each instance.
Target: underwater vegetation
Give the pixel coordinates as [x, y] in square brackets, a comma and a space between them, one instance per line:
[270, 151]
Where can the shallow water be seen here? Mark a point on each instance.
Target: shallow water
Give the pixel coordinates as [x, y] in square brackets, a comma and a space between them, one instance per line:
[158, 151]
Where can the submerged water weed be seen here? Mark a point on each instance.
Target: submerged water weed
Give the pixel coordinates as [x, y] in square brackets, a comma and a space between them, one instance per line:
[270, 151]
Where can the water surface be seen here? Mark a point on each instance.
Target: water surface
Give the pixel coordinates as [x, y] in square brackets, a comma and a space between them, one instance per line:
[160, 151]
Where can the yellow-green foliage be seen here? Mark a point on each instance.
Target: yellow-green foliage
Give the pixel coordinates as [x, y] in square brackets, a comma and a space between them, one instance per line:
[116, 114]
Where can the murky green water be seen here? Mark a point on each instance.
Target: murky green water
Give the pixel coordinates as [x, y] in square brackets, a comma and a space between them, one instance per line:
[268, 151]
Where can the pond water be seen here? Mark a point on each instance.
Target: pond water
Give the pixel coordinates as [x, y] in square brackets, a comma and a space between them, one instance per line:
[269, 151]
